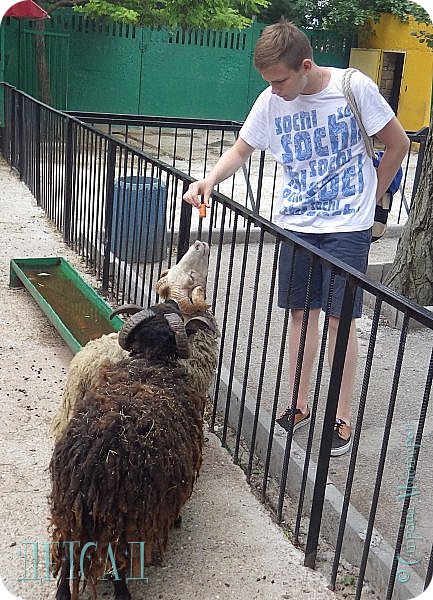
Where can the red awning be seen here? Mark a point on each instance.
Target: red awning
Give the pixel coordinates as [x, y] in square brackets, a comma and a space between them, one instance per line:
[26, 9]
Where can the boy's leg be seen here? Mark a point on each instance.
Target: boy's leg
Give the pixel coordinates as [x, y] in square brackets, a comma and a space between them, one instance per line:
[310, 350]
[292, 295]
[349, 371]
[351, 248]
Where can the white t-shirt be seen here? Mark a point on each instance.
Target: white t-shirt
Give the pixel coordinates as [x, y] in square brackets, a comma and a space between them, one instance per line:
[329, 180]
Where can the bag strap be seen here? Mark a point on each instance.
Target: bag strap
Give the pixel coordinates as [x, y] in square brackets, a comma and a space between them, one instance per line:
[348, 93]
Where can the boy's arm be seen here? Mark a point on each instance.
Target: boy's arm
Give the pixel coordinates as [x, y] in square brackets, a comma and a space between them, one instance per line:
[396, 145]
[227, 165]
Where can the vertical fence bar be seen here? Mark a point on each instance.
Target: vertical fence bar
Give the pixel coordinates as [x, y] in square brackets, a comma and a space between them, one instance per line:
[297, 379]
[184, 225]
[328, 425]
[355, 443]
[429, 574]
[6, 133]
[422, 143]
[69, 167]
[382, 457]
[37, 163]
[20, 128]
[260, 182]
[13, 126]
[225, 327]
[108, 221]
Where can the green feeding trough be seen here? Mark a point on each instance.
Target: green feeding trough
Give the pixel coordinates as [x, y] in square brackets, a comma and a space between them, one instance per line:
[74, 308]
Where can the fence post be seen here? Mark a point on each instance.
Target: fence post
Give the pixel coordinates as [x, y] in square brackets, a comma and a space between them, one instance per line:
[328, 426]
[184, 225]
[8, 123]
[422, 139]
[109, 199]
[69, 159]
[37, 161]
[20, 134]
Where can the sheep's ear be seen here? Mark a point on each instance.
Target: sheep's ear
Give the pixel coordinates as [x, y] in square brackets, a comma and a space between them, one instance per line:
[126, 333]
[199, 322]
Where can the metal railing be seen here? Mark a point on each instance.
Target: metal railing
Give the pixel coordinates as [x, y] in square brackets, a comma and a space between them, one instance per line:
[364, 507]
[194, 145]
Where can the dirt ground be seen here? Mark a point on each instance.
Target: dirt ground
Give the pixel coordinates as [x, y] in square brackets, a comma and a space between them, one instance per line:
[228, 547]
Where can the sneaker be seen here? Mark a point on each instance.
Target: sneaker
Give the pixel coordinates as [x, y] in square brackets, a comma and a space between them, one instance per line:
[300, 419]
[342, 438]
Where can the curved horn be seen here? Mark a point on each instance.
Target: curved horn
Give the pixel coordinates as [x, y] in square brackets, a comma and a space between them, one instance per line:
[161, 287]
[162, 281]
[128, 309]
[125, 334]
[178, 328]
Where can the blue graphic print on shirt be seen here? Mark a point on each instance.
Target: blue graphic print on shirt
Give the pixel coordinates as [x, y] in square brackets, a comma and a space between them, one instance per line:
[327, 172]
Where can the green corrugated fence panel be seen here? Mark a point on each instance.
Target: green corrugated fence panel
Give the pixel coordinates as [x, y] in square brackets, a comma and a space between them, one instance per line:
[200, 73]
[11, 29]
[105, 66]
[118, 68]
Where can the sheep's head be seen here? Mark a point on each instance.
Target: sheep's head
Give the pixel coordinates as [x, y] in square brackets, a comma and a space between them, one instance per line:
[185, 282]
[158, 331]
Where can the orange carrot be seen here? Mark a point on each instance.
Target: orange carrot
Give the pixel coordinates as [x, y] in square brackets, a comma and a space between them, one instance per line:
[202, 210]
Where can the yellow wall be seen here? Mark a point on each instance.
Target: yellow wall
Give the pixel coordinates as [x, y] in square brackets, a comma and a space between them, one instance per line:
[416, 88]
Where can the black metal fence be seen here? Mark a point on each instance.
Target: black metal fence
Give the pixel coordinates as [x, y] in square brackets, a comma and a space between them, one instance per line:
[194, 145]
[121, 210]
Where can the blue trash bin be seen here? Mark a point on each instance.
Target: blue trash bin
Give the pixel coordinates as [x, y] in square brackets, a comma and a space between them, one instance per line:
[139, 230]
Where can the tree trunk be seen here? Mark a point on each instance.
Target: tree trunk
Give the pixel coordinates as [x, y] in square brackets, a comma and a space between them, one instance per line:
[42, 65]
[412, 271]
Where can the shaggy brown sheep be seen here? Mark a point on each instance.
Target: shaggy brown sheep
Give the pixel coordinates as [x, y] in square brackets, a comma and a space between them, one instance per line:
[127, 461]
[184, 282]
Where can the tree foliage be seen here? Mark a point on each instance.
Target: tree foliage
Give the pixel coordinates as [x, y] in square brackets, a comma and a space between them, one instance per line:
[340, 15]
[335, 15]
[215, 14]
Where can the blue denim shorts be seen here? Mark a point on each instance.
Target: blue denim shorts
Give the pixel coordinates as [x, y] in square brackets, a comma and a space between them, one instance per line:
[349, 247]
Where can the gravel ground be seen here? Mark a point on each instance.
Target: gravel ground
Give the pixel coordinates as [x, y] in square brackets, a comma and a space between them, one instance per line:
[228, 547]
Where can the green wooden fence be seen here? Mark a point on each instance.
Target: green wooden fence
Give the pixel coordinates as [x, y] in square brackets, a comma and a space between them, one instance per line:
[111, 67]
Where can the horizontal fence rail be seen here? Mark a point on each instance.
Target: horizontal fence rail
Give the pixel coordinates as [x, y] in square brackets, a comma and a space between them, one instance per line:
[194, 146]
[121, 209]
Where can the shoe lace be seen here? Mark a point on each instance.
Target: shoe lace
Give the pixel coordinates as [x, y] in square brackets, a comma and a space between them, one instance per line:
[338, 427]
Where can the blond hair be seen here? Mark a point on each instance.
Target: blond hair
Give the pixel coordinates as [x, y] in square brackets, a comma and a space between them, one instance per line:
[282, 42]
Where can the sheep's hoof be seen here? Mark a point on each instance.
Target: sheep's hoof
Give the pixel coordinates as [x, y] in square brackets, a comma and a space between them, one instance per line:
[121, 591]
[178, 522]
[63, 592]
[122, 596]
